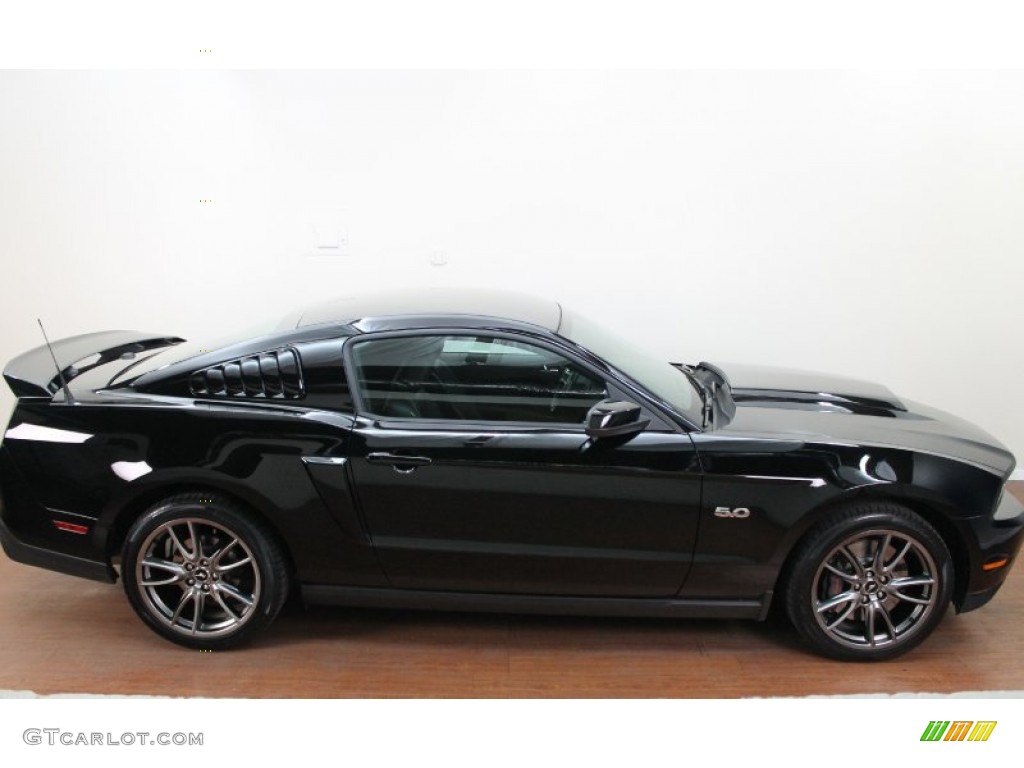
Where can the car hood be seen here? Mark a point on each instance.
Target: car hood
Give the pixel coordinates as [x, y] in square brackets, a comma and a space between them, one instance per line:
[786, 404]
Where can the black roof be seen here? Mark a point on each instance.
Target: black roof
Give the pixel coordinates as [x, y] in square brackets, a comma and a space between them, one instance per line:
[394, 310]
[363, 310]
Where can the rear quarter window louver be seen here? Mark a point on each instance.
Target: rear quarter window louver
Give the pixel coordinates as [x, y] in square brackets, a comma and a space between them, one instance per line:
[274, 375]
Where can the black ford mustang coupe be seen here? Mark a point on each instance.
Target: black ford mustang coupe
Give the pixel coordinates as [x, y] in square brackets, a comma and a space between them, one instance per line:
[493, 452]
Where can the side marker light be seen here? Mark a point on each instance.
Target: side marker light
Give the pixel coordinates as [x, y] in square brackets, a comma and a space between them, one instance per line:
[70, 527]
[995, 564]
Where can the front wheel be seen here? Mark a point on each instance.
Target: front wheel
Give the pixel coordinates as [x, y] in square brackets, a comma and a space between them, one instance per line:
[201, 572]
[869, 583]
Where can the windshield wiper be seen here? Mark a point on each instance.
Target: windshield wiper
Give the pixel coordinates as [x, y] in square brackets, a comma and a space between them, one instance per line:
[705, 392]
[715, 389]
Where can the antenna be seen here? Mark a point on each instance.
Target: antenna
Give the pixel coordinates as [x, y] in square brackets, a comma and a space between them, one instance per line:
[68, 397]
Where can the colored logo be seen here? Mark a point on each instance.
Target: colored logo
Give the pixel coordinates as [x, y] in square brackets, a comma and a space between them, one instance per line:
[958, 730]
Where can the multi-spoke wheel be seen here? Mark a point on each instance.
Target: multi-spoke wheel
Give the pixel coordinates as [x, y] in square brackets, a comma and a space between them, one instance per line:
[870, 582]
[202, 573]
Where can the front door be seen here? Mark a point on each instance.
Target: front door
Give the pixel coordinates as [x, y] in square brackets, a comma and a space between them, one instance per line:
[474, 473]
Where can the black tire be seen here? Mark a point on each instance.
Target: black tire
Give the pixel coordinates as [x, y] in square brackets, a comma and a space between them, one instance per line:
[870, 582]
[212, 597]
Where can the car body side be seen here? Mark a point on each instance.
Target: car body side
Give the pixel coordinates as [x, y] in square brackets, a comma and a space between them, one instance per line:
[294, 464]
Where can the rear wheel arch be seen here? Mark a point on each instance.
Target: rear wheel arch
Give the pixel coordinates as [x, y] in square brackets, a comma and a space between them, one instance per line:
[123, 517]
[202, 571]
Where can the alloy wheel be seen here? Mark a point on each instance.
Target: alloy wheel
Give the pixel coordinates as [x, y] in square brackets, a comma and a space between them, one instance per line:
[198, 578]
[875, 589]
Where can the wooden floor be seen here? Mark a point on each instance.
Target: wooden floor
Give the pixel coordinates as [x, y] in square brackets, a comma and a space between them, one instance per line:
[59, 634]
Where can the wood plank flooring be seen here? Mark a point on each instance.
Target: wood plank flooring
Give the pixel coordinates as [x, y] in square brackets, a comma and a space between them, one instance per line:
[59, 634]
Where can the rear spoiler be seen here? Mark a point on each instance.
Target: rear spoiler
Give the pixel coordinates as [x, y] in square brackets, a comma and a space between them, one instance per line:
[32, 373]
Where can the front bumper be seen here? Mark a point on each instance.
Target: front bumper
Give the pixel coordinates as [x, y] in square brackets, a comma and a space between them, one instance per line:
[999, 538]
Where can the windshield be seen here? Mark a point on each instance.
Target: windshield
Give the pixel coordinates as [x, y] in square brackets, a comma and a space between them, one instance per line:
[655, 375]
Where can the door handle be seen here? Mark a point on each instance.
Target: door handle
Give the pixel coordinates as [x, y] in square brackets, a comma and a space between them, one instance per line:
[403, 464]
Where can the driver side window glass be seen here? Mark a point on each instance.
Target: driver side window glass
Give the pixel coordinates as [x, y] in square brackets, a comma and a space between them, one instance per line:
[472, 378]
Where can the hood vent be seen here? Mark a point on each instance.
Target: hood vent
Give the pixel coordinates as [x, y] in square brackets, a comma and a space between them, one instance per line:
[272, 375]
[820, 401]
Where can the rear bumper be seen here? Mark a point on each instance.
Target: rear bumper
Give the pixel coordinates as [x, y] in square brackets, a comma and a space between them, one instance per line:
[21, 552]
[22, 522]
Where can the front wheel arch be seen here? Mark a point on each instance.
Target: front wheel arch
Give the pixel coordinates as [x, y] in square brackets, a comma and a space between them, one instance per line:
[954, 541]
[837, 602]
[952, 536]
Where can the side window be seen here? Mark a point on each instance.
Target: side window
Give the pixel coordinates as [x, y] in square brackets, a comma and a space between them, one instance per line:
[472, 378]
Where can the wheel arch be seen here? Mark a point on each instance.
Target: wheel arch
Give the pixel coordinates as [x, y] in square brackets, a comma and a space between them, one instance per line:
[951, 536]
[933, 512]
[120, 515]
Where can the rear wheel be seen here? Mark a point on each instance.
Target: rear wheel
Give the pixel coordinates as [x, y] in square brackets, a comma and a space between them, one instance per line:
[869, 583]
[202, 573]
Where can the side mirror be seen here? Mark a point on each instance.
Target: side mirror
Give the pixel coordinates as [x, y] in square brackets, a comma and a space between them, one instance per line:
[610, 418]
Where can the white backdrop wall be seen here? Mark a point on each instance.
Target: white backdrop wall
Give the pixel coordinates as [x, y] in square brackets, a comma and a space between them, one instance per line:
[869, 224]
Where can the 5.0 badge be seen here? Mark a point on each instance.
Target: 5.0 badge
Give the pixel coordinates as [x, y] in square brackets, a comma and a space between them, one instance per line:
[737, 512]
